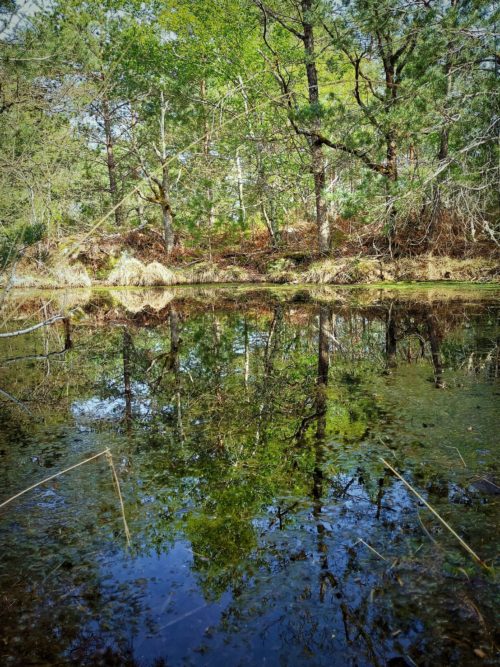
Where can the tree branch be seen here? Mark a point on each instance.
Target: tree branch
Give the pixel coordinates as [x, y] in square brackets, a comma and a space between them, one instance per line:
[20, 332]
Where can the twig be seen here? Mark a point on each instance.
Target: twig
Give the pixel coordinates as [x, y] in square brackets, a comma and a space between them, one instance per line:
[458, 451]
[436, 514]
[181, 618]
[33, 357]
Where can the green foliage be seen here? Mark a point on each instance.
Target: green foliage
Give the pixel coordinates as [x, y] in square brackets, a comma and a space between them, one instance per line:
[250, 468]
[15, 238]
[102, 103]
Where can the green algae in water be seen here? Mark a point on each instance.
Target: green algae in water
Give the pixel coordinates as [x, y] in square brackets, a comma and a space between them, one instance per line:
[247, 427]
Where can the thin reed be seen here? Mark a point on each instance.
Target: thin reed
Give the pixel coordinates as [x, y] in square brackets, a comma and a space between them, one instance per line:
[436, 514]
[116, 482]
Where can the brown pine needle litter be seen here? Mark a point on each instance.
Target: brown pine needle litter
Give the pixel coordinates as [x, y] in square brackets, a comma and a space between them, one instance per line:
[436, 514]
[107, 453]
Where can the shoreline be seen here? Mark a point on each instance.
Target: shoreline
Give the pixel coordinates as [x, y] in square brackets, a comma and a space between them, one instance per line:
[102, 286]
[348, 271]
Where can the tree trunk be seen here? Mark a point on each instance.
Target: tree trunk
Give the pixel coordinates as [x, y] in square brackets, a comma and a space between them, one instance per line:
[391, 159]
[111, 162]
[166, 211]
[444, 136]
[325, 318]
[390, 339]
[174, 340]
[164, 186]
[68, 343]
[392, 177]
[270, 226]
[435, 343]
[168, 228]
[127, 385]
[206, 154]
[317, 156]
[318, 162]
[241, 201]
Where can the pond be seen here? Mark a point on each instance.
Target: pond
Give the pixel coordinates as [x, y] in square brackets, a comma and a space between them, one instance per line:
[251, 432]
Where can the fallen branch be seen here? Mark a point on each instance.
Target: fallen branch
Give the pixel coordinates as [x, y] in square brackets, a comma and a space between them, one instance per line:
[118, 492]
[20, 332]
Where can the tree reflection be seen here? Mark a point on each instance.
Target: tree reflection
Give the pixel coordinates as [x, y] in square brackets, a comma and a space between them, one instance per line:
[127, 374]
[256, 435]
[324, 335]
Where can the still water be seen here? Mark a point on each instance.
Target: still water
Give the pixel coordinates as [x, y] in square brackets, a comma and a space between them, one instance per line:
[247, 429]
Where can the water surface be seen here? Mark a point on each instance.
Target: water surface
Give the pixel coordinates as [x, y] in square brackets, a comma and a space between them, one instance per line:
[247, 428]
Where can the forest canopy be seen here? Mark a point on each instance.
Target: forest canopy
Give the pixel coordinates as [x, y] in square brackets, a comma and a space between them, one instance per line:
[373, 121]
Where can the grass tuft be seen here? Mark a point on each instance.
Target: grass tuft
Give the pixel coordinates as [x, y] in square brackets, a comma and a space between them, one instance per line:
[156, 274]
[343, 271]
[127, 272]
[137, 301]
[130, 272]
[209, 272]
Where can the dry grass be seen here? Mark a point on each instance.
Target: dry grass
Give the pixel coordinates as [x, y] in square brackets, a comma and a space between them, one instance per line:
[282, 270]
[348, 271]
[28, 281]
[209, 272]
[344, 271]
[136, 302]
[428, 267]
[157, 274]
[69, 300]
[56, 276]
[130, 272]
[74, 275]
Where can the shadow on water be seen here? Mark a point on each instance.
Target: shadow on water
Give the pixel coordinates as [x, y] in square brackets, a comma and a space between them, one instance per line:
[247, 427]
